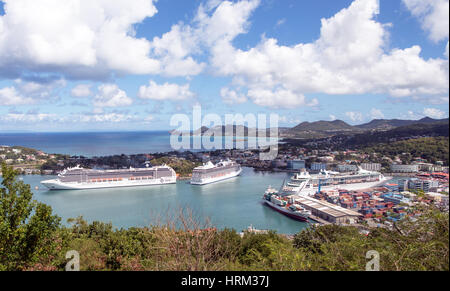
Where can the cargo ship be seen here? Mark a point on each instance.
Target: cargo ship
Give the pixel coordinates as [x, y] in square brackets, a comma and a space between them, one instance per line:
[282, 205]
[210, 173]
[78, 178]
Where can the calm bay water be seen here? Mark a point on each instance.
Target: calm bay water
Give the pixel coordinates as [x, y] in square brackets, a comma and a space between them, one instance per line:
[91, 144]
[233, 203]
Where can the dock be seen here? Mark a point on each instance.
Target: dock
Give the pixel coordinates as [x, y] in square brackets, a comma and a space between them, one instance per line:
[319, 220]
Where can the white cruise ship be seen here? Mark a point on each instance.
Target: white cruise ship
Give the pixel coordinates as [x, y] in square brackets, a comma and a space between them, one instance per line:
[78, 178]
[305, 184]
[210, 173]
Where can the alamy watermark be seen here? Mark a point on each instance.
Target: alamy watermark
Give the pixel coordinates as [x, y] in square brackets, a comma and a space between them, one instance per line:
[74, 261]
[233, 132]
[374, 263]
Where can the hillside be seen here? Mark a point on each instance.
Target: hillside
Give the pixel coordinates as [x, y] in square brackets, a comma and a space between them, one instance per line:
[432, 149]
[399, 133]
[374, 137]
[393, 123]
[337, 125]
[323, 129]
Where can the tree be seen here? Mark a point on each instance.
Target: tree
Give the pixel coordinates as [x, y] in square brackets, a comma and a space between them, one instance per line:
[26, 226]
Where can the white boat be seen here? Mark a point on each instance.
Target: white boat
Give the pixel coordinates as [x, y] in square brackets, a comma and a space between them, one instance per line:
[78, 178]
[210, 173]
[305, 184]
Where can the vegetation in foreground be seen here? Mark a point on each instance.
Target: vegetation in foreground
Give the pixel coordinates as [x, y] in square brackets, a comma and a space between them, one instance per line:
[31, 238]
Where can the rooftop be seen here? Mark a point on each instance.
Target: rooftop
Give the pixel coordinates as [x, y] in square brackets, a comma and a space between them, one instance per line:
[326, 207]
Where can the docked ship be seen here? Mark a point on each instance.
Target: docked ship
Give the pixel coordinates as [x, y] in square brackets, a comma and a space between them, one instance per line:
[282, 205]
[305, 184]
[210, 173]
[78, 178]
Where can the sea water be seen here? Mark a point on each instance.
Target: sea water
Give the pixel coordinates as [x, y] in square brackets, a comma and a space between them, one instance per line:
[234, 203]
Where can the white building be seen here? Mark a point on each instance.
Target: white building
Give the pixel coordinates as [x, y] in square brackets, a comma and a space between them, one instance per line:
[396, 168]
[318, 166]
[347, 168]
[373, 167]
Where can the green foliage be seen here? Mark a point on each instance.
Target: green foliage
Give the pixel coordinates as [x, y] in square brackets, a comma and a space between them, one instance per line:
[26, 226]
[181, 166]
[432, 149]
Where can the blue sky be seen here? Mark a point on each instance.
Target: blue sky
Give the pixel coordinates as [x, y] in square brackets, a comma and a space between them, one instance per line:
[96, 65]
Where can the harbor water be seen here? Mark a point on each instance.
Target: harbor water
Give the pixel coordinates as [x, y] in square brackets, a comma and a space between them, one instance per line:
[234, 203]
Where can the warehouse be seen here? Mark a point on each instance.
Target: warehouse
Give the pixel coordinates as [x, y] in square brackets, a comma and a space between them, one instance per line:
[327, 211]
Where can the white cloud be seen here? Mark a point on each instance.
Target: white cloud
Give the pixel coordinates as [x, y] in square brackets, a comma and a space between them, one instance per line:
[232, 97]
[350, 57]
[82, 90]
[355, 116]
[30, 92]
[434, 113]
[280, 22]
[166, 91]
[10, 96]
[277, 99]
[87, 39]
[433, 15]
[333, 117]
[28, 117]
[376, 114]
[104, 118]
[109, 95]
[149, 119]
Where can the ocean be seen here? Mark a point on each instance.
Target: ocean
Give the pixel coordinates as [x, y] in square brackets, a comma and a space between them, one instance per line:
[91, 144]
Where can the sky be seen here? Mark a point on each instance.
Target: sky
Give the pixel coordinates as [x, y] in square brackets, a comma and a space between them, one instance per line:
[88, 65]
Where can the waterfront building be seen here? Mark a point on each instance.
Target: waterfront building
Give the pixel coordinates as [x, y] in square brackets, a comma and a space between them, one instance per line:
[373, 167]
[403, 185]
[425, 167]
[396, 168]
[395, 198]
[417, 184]
[296, 165]
[318, 166]
[425, 185]
[347, 168]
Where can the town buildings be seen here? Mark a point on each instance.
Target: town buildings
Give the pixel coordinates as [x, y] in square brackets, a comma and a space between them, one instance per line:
[397, 168]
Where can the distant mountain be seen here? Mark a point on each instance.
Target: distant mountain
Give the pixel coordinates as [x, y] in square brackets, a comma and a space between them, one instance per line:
[416, 130]
[336, 125]
[320, 129]
[375, 137]
[228, 130]
[393, 123]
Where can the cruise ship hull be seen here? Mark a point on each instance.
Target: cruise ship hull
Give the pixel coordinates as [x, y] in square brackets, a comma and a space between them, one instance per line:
[348, 187]
[217, 179]
[58, 185]
[285, 211]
